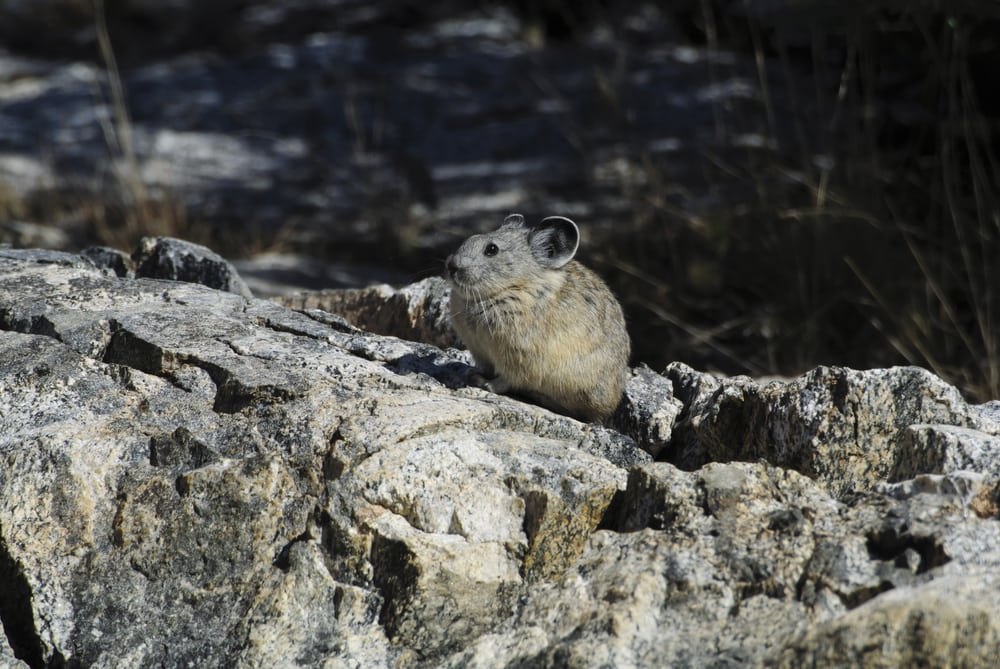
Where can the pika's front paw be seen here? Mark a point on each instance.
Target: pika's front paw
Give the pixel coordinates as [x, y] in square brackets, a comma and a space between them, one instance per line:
[498, 385]
[494, 385]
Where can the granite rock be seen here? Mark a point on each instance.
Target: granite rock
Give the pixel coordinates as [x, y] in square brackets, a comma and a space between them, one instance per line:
[846, 428]
[192, 476]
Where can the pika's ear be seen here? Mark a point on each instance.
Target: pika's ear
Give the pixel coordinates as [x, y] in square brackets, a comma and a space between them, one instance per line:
[554, 241]
[514, 219]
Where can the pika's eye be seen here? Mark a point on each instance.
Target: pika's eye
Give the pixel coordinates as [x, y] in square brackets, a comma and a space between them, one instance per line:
[491, 250]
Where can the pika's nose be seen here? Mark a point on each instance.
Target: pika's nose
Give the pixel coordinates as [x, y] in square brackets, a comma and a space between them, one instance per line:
[451, 265]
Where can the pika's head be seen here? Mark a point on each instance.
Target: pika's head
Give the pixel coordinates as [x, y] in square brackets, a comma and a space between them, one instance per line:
[512, 255]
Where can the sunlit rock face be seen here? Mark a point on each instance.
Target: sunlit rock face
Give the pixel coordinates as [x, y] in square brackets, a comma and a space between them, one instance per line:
[192, 475]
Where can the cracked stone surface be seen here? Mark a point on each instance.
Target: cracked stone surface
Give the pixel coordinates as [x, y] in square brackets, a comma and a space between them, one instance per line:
[192, 476]
[744, 564]
[208, 463]
[847, 428]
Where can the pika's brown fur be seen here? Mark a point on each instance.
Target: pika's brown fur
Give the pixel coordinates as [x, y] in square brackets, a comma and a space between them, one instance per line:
[539, 322]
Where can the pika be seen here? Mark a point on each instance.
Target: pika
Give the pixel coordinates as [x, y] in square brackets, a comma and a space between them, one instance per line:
[537, 322]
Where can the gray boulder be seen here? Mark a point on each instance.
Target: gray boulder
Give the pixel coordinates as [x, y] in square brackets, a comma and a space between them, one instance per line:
[744, 564]
[189, 475]
[179, 260]
[848, 429]
[192, 476]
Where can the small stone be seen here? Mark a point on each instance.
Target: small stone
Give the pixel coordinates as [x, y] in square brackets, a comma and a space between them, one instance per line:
[179, 260]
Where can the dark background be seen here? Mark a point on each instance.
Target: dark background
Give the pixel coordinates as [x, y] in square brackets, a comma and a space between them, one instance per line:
[767, 186]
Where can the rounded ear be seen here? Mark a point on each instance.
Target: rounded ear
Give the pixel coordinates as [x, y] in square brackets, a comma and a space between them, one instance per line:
[514, 219]
[554, 241]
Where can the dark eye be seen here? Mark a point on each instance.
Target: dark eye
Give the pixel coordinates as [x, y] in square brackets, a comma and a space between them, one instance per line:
[491, 250]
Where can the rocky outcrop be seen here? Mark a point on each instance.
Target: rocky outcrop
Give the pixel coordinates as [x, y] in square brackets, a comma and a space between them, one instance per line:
[190, 475]
[846, 428]
[744, 564]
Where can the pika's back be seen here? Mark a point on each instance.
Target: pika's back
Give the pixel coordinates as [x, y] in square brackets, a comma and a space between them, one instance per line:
[539, 322]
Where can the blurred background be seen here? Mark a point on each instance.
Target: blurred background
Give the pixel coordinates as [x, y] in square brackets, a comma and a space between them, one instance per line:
[766, 185]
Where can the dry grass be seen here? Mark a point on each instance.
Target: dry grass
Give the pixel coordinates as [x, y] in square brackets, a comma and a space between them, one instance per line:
[853, 242]
[947, 217]
[133, 211]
